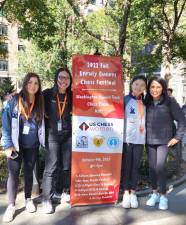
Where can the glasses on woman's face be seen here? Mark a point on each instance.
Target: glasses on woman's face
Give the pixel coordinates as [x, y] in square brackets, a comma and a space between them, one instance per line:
[63, 78]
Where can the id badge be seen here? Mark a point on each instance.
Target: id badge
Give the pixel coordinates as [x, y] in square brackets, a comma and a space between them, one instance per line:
[26, 129]
[59, 125]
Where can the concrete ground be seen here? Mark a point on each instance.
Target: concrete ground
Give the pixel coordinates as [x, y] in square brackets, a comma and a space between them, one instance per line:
[104, 214]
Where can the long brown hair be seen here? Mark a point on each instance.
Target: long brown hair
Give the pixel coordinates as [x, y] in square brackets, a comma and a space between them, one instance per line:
[38, 110]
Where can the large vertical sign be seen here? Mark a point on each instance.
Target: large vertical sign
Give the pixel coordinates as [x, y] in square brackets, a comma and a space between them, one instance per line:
[97, 129]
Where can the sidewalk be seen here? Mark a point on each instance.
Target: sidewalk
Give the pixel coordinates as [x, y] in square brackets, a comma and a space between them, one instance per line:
[104, 214]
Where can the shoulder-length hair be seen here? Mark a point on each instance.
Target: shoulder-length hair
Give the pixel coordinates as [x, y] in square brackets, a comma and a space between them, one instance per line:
[162, 82]
[68, 91]
[38, 110]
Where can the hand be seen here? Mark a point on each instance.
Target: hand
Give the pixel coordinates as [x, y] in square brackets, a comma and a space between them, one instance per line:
[9, 97]
[9, 151]
[172, 142]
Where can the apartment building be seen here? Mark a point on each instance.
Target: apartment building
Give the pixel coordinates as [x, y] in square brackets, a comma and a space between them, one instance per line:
[10, 45]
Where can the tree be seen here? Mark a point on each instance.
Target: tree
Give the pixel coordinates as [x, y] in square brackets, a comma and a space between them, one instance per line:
[120, 18]
[160, 22]
[6, 87]
[59, 26]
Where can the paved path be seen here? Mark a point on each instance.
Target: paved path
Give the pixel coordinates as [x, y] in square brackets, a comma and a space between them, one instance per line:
[104, 215]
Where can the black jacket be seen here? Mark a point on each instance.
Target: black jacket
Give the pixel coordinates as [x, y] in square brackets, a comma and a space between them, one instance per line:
[52, 114]
[160, 119]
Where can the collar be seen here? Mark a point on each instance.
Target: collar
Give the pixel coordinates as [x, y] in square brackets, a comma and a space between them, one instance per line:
[140, 97]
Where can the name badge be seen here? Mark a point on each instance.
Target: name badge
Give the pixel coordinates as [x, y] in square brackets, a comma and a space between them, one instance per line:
[26, 129]
[59, 125]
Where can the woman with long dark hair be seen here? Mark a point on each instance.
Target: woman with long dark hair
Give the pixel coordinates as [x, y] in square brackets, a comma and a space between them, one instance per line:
[161, 112]
[58, 107]
[22, 133]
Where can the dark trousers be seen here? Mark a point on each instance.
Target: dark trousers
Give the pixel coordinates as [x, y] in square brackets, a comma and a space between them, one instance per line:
[28, 156]
[57, 164]
[132, 155]
[157, 155]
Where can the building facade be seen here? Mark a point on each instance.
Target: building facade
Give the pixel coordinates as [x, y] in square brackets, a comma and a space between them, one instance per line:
[10, 45]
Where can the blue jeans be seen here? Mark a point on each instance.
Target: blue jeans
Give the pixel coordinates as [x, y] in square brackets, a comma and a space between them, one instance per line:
[57, 163]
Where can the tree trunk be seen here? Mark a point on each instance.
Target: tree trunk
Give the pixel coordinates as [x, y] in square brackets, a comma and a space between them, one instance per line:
[123, 27]
[167, 65]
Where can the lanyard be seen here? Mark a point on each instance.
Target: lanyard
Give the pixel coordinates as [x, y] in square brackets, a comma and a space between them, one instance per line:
[61, 109]
[141, 113]
[140, 108]
[27, 116]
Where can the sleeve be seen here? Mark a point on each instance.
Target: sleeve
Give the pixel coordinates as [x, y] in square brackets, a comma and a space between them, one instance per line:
[46, 96]
[178, 115]
[6, 139]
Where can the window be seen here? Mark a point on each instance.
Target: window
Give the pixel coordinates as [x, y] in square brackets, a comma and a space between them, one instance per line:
[21, 48]
[3, 30]
[3, 65]
[93, 2]
[4, 47]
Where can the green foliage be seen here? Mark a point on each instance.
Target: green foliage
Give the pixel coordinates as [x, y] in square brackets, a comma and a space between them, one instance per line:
[59, 32]
[34, 17]
[6, 87]
[35, 60]
[3, 167]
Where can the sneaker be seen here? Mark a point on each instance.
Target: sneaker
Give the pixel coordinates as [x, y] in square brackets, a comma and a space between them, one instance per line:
[163, 205]
[65, 197]
[56, 196]
[126, 201]
[155, 198]
[9, 214]
[133, 201]
[29, 205]
[47, 207]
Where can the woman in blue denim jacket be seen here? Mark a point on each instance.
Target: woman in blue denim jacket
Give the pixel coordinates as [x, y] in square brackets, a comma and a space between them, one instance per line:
[22, 133]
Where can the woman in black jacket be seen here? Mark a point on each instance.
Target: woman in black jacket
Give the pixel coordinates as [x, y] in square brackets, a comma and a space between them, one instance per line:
[162, 110]
[58, 107]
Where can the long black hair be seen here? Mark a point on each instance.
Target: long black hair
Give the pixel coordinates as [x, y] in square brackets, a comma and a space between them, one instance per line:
[38, 111]
[68, 91]
[162, 82]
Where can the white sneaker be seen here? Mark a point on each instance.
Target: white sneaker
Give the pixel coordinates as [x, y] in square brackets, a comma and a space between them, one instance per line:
[126, 201]
[9, 214]
[133, 201]
[47, 207]
[163, 205]
[155, 198]
[29, 205]
[65, 197]
[56, 196]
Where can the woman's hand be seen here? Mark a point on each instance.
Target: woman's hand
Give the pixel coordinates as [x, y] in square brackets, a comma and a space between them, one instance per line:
[8, 152]
[10, 96]
[172, 142]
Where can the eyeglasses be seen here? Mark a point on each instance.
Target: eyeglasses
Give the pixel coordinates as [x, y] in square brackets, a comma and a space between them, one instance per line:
[63, 78]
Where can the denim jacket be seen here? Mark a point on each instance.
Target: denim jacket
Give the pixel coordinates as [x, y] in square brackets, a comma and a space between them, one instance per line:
[10, 126]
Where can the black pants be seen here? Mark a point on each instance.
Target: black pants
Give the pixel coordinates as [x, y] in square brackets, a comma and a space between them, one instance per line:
[57, 162]
[28, 156]
[157, 155]
[132, 155]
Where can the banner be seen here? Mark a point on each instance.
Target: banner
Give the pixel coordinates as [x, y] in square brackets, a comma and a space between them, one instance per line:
[97, 137]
